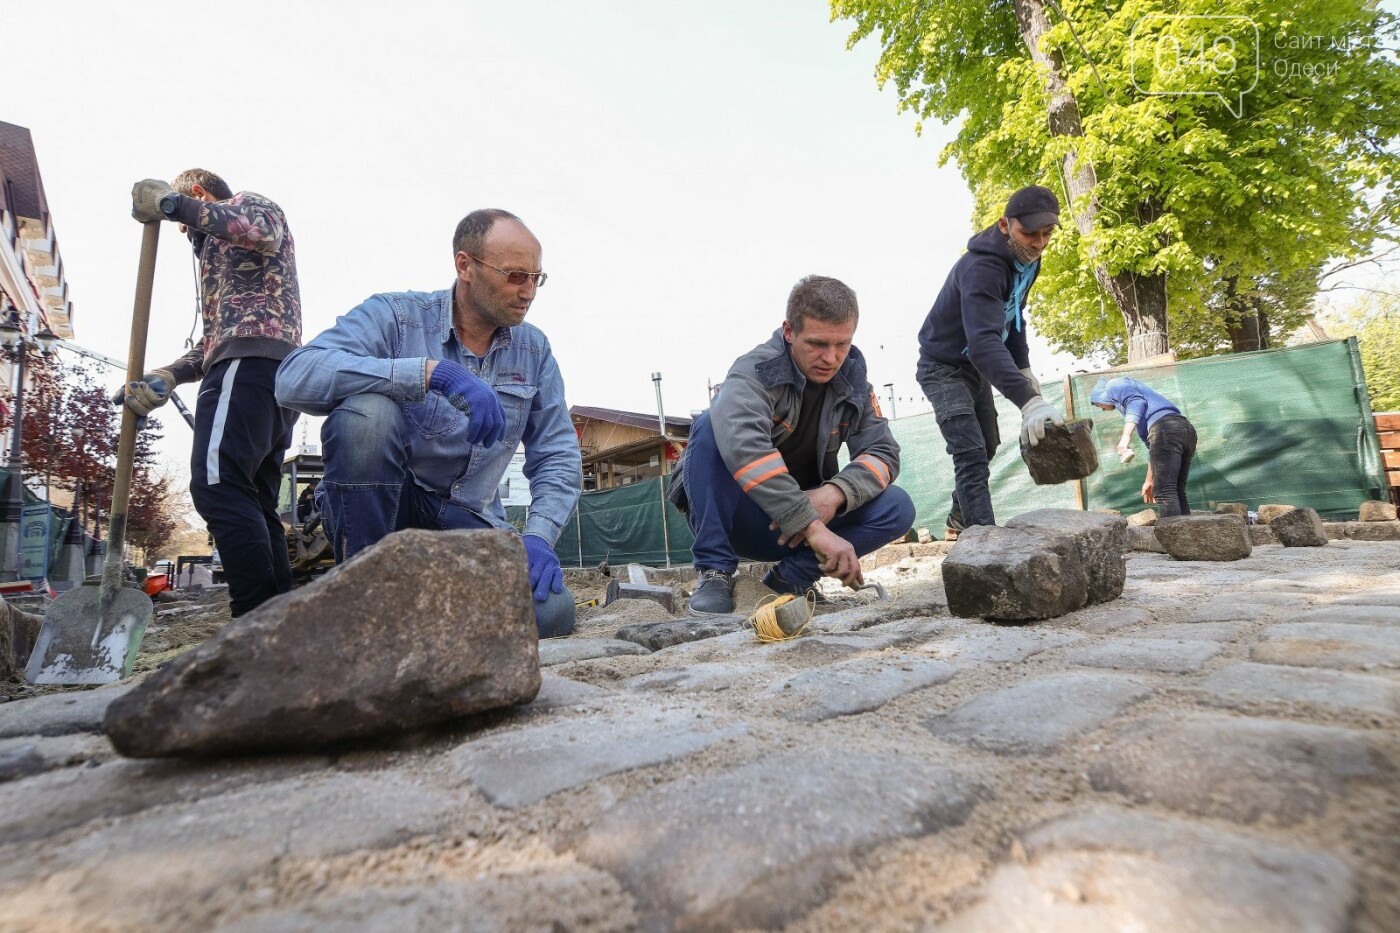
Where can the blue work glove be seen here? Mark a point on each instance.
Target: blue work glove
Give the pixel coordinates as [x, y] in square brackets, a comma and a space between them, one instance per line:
[545, 574]
[486, 420]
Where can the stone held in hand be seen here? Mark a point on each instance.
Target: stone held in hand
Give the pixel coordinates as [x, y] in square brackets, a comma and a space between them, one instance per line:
[1376, 511]
[1100, 539]
[1205, 537]
[1014, 574]
[1299, 528]
[1065, 453]
[423, 627]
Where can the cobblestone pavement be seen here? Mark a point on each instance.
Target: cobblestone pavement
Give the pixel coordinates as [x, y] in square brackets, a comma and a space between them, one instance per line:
[1217, 750]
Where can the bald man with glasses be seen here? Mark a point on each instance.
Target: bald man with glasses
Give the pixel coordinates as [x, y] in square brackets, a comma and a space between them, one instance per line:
[428, 395]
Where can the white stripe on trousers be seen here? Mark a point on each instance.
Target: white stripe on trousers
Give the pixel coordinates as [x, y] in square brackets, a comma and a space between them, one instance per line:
[216, 433]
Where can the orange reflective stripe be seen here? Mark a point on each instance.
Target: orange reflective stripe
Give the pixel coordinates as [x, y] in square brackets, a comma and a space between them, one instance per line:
[878, 467]
[759, 462]
[769, 475]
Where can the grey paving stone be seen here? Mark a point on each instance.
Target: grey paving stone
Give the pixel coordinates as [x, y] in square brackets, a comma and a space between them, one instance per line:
[559, 896]
[1207, 631]
[695, 678]
[1113, 870]
[1380, 596]
[998, 644]
[58, 713]
[29, 755]
[1037, 715]
[1237, 768]
[1168, 655]
[49, 803]
[1100, 622]
[881, 635]
[855, 686]
[1231, 609]
[915, 607]
[142, 871]
[760, 844]
[564, 650]
[1244, 684]
[516, 768]
[1364, 615]
[562, 693]
[1330, 644]
[1142, 538]
[657, 635]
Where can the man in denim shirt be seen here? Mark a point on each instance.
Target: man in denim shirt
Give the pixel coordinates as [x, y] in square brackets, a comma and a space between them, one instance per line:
[428, 395]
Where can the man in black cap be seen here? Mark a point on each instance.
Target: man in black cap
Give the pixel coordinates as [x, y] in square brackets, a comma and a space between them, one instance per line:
[974, 339]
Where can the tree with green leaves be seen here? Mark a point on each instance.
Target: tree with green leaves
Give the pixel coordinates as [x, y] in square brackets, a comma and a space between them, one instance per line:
[1374, 320]
[1212, 157]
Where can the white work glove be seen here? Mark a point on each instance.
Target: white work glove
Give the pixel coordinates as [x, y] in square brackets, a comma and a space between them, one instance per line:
[1034, 414]
[1030, 377]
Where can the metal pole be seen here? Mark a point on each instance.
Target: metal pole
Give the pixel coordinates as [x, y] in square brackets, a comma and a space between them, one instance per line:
[660, 413]
[890, 386]
[17, 429]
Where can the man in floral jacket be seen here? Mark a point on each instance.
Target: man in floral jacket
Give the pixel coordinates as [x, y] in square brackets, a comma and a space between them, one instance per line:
[252, 320]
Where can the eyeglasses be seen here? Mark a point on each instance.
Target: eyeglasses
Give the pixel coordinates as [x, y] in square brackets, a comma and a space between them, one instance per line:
[514, 276]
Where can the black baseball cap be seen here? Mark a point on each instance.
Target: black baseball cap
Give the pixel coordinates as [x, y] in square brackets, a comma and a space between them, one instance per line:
[1035, 207]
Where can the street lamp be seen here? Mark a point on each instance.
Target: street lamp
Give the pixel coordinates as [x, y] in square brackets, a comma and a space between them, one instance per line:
[16, 346]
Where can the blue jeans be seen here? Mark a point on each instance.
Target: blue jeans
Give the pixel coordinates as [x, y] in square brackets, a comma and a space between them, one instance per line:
[967, 417]
[729, 525]
[368, 492]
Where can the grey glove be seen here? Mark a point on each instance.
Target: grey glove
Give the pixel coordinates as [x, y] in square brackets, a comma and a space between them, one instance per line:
[1034, 414]
[147, 395]
[1030, 377]
[145, 199]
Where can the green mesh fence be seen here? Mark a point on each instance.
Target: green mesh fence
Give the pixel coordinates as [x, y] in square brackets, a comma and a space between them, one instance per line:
[630, 524]
[1290, 426]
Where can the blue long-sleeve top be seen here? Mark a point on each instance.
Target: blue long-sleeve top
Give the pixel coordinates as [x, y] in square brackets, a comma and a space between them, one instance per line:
[1138, 404]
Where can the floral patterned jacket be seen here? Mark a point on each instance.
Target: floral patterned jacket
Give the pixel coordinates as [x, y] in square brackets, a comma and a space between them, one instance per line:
[247, 281]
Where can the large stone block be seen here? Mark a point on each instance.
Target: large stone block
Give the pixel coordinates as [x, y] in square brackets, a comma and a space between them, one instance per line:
[1377, 511]
[1144, 539]
[760, 844]
[1112, 869]
[1205, 537]
[1101, 540]
[1267, 513]
[425, 626]
[657, 635]
[1372, 531]
[1014, 574]
[1236, 768]
[1066, 453]
[1299, 528]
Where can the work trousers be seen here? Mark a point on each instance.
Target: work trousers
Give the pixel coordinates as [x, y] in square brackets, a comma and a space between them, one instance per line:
[967, 417]
[241, 435]
[1171, 443]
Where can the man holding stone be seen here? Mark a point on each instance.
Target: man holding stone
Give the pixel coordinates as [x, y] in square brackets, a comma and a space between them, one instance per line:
[974, 340]
[760, 480]
[428, 394]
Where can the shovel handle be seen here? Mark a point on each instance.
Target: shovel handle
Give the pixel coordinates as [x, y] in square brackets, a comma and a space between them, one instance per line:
[126, 446]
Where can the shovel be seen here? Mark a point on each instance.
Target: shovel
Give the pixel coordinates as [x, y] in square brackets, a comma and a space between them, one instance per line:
[91, 634]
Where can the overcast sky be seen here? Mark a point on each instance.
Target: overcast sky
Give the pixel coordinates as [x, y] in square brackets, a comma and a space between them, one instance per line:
[683, 164]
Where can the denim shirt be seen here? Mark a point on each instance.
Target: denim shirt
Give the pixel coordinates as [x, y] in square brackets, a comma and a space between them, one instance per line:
[383, 346]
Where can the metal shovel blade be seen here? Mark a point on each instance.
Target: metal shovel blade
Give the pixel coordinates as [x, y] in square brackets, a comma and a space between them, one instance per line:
[70, 650]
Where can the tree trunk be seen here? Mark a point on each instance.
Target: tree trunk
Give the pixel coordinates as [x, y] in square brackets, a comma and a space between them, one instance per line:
[1142, 300]
[1246, 320]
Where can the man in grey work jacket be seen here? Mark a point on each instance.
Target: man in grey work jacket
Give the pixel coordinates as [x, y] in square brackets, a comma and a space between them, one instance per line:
[427, 397]
[760, 479]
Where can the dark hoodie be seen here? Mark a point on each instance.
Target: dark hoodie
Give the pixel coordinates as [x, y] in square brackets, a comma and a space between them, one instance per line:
[968, 326]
